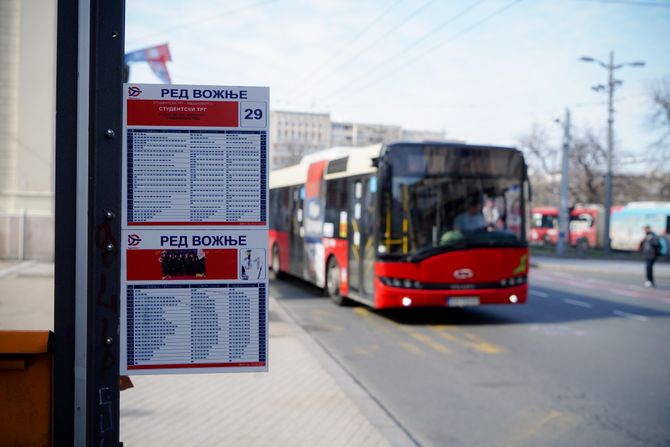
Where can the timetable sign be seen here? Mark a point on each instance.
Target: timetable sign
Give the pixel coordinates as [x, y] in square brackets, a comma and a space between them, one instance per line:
[195, 229]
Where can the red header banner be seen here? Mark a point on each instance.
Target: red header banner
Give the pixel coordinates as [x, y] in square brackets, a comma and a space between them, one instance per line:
[153, 112]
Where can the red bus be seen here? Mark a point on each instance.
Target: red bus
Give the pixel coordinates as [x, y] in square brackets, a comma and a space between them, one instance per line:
[586, 228]
[405, 224]
[544, 225]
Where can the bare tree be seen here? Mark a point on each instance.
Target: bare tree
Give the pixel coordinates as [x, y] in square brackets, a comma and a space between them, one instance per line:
[659, 94]
[587, 162]
[541, 158]
[588, 158]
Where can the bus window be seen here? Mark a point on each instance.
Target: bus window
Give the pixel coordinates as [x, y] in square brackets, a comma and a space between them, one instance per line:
[455, 201]
[336, 201]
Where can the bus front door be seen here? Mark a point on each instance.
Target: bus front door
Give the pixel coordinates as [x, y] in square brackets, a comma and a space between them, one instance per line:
[361, 236]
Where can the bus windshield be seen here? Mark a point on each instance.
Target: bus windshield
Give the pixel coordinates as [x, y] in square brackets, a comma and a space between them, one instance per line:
[441, 197]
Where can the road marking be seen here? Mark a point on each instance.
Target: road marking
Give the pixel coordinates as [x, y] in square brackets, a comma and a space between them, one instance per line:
[473, 341]
[366, 349]
[563, 275]
[549, 427]
[428, 341]
[626, 293]
[623, 314]
[578, 303]
[361, 312]
[609, 287]
[538, 293]
[554, 330]
[411, 348]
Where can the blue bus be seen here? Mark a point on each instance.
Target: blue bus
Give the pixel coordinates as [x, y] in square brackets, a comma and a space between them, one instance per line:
[626, 226]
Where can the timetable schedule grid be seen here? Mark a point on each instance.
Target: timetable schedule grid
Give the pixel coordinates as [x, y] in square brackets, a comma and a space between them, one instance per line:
[196, 325]
[196, 177]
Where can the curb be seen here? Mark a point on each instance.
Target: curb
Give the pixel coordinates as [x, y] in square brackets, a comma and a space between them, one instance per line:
[16, 268]
[371, 408]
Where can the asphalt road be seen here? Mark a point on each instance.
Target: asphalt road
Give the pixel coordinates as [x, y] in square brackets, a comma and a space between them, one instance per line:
[585, 363]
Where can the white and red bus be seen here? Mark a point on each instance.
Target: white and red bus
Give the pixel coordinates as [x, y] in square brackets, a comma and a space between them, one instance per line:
[405, 224]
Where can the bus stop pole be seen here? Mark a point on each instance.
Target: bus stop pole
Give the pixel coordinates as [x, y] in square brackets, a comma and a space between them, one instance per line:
[88, 188]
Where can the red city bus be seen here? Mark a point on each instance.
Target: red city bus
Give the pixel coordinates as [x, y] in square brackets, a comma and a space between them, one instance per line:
[585, 227]
[544, 225]
[406, 224]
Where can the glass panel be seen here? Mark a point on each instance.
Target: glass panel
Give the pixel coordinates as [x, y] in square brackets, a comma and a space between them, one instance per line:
[544, 221]
[438, 196]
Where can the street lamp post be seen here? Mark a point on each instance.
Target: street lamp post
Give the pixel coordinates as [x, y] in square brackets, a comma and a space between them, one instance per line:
[563, 211]
[611, 86]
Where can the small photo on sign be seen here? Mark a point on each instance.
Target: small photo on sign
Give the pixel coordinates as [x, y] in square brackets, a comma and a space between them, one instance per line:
[183, 264]
[252, 264]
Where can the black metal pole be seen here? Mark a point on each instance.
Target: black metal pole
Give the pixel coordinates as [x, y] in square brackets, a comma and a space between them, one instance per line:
[105, 127]
[65, 218]
[101, 181]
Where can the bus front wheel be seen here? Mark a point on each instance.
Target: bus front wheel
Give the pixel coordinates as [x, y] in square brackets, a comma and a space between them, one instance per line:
[333, 283]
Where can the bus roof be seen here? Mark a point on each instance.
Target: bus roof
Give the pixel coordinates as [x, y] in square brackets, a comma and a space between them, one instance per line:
[548, 210]
[453, 144]
[355, 161]
[648, 205]
[359, 161]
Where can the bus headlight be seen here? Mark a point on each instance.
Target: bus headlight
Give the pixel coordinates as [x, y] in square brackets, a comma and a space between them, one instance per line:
[407, 301]
[514, 281]
[404, 283]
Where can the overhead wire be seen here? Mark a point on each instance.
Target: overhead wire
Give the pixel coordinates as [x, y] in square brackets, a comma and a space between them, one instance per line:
[200, 21]
[395, 55]
[408, 63]
[372, 44]
[326, 62]
[629, 3]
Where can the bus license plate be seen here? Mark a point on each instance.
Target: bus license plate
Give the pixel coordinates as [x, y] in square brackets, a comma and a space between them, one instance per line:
[462, 301]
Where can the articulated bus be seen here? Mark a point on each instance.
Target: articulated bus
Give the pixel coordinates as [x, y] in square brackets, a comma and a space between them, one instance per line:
[405, 224]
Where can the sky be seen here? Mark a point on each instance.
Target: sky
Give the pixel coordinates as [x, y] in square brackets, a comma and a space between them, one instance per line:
[481, 70]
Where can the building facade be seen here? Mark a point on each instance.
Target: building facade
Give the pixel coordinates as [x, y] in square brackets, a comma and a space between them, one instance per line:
[294, 134]
[422, 135]
[361, 134]
[27, 127]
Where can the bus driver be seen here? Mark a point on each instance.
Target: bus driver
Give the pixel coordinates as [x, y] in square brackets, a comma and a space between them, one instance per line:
[472, 218]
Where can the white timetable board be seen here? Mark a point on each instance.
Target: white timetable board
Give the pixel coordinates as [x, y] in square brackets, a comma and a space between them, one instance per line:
[194, 274]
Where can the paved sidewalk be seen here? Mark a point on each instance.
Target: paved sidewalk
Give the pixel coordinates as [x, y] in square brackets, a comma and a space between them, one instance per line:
[26, 295]
[298, 403]
[306, 399]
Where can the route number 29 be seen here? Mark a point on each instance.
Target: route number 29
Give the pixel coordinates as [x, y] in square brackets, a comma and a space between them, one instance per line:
[253, 114]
